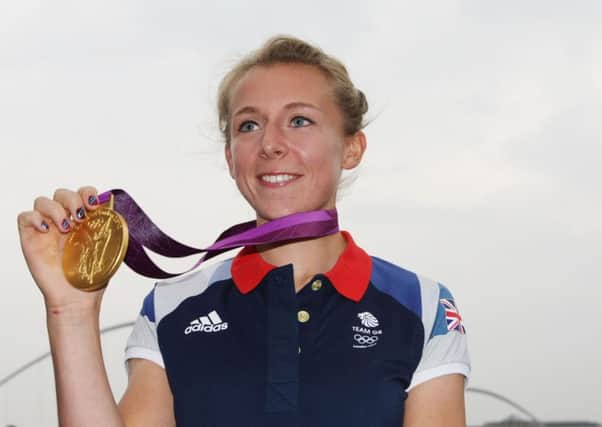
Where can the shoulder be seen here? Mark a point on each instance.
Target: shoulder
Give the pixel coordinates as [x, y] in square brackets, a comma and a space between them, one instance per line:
[428, 299]
[413, 290]
[445, 348]
[168, 294]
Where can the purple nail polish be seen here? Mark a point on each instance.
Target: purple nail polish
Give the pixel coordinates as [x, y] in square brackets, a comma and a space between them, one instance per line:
[80, 213]
[92, 200]
[44, 226]
[65, 224]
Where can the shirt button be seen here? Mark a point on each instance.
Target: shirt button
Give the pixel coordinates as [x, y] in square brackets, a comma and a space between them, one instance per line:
[303, 316]
[299, 350]
[316, 285]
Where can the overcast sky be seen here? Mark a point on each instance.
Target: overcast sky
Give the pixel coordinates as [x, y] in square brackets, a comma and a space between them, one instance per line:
[482, 169]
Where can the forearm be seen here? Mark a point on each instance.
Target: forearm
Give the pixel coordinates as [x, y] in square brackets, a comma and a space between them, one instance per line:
[84, 397]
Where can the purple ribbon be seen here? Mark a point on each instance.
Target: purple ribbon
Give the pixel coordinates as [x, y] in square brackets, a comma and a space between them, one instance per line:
[145, 234]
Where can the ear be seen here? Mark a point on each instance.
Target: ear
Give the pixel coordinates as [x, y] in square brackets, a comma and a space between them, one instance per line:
[228, 154]
[353, 151]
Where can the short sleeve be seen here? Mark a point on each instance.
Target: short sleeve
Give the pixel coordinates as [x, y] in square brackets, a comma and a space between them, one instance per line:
[142, 342]
[445, 349]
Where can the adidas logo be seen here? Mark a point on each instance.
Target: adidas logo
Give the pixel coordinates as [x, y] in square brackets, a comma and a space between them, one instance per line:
[209, 323]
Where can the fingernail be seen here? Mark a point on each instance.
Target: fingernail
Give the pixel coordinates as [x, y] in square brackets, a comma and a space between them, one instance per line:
[80, 213]
[65, 224]
[44, 226]
[92, 200]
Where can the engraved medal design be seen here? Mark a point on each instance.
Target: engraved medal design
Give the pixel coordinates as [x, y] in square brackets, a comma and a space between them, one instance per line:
[95, 249]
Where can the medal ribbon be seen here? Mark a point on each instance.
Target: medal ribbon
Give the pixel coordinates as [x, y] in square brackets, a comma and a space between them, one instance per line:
[145, 234]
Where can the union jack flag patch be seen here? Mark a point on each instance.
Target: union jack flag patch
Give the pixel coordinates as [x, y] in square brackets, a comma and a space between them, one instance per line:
[452, 316]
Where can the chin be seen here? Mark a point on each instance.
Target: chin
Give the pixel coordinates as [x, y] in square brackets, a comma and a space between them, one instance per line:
[276, 212]
[272, 214]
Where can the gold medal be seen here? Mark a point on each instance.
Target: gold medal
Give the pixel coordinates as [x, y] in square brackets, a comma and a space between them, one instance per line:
[95, 249]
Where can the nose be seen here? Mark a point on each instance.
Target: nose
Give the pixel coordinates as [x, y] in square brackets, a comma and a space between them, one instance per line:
[273, 143]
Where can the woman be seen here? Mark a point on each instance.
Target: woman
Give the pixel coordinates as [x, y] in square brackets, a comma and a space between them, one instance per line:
[307, 332]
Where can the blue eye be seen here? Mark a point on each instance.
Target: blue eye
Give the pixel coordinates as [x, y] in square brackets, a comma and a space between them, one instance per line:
[247, 126]
[300, 121]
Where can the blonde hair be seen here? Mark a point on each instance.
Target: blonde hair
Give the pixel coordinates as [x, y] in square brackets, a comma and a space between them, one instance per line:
[286, 50]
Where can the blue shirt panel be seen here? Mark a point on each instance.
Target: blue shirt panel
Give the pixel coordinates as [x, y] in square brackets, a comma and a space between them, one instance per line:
[401, 284]
[148, 306]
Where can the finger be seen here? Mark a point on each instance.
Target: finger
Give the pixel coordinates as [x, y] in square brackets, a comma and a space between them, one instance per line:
[33, 219]
[89, 196]
[55, 211]
[71, 201]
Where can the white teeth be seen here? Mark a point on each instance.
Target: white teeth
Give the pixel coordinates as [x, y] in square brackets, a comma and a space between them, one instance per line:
[277, 178]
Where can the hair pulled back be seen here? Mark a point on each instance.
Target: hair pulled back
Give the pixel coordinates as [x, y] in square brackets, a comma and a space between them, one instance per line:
[287, 50]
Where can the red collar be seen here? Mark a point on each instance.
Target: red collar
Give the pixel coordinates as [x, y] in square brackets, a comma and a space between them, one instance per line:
[350, 275]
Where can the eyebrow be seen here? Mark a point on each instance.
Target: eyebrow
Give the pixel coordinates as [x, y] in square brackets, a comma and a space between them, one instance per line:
[301, 105]
[292, 105]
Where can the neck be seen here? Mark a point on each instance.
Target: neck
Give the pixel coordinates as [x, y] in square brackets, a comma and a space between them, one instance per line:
[308, 256]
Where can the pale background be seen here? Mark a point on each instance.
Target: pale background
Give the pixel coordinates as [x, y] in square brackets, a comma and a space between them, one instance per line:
[482, 170]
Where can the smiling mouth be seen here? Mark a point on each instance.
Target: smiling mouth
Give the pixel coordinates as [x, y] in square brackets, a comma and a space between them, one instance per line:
[278, 179]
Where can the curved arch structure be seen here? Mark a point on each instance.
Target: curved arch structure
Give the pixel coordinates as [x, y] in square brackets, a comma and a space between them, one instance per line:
[38, 359]
[504, 399]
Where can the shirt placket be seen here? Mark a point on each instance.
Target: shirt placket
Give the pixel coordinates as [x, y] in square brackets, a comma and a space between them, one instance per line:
[282, 381]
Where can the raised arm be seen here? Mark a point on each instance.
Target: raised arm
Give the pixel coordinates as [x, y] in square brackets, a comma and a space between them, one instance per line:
[84, 397]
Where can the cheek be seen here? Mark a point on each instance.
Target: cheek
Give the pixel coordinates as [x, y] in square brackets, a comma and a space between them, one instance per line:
[238, 154]
[328, 153]
[325, 164]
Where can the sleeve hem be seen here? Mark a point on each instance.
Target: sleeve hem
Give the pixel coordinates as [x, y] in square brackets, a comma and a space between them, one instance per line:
[439, 371]
[143, 353]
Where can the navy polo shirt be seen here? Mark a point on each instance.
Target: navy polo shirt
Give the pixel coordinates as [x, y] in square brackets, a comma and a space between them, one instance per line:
[240, 347]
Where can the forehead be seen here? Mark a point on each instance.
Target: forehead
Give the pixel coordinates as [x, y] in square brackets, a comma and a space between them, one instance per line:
[276, 84]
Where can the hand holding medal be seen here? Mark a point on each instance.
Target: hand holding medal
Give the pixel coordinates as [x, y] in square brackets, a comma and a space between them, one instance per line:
[44, 231]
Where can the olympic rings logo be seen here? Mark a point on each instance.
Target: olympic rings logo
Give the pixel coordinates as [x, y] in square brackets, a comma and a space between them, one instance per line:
[365, 340]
